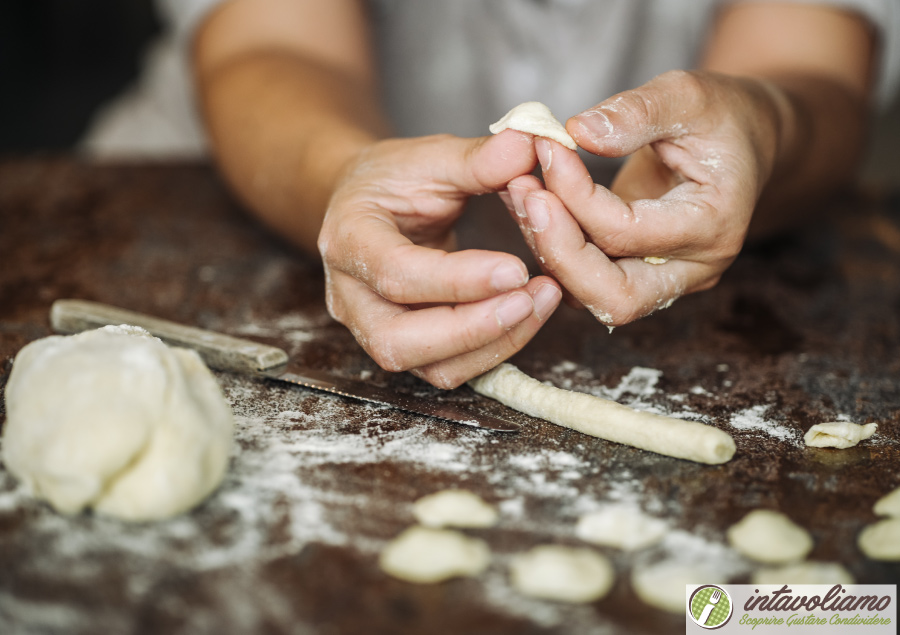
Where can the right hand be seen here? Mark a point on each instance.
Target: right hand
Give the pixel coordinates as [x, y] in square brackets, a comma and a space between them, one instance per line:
[391, 274]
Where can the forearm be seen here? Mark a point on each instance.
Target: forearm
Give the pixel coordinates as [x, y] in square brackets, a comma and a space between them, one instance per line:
[282, 127]
[821, 131]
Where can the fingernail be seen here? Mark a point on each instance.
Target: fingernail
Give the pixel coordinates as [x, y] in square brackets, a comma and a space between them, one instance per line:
[514, 309]
[546, 300]
[509, 276]
[544, 152]
[592, 125]
[538, 213]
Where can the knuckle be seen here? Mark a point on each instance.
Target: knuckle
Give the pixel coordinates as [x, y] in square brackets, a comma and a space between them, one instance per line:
[439, 378]
[384, 353]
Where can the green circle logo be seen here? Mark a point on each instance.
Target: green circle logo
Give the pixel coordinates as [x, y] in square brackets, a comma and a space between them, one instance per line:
[710, 606]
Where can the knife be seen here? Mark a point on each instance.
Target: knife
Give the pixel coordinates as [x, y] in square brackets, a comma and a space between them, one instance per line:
[237, 355]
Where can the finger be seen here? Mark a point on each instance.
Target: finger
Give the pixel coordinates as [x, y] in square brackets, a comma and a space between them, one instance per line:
[485, 164]
[616, 292]
[399, 339]
[680, 223]
[516, 191]
[455, 371]
[663, 108]
[376, 253]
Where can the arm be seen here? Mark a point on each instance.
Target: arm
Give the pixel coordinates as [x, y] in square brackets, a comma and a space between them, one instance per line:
[777, 117]
[289, 97]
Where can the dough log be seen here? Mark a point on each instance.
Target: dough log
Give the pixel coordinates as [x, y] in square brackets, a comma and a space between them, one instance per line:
[604, 418]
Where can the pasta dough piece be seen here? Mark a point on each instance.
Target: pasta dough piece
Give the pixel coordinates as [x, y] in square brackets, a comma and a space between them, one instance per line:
[808, 572]
[564, 574]
[889, 504]
[655, 260]
[115, 420]
[605, 419]
[881, 541]
[426, 555]
[454, 508]
[770, 537]
[622, 527]
[535, 118]
[662, 585]
[838, 434]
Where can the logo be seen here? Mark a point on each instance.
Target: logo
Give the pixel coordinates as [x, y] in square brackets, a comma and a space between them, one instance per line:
[710, 606]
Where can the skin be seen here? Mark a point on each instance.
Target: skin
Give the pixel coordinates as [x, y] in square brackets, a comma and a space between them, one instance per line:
[772, 123]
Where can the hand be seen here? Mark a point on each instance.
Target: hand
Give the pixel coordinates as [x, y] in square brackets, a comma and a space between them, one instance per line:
[391, 278]
[702, 146]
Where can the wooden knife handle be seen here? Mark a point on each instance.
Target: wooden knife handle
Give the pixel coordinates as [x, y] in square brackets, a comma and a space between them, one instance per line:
[217, 350]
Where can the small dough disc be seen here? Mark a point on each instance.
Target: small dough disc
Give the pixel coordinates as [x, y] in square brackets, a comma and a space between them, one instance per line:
[889, 504]
[564, 574]
[115, 420]
[808, 572]
[454, 508]
[425, 555]
[770, 537]
[535, 118]
[622, 527]
[881, 541]
[662, 585]
[838, 434]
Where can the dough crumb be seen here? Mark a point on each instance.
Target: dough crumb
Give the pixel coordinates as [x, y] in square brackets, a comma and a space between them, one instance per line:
[838, 434]
[622, 527]
[881, 541]
[655, 260]
[454, 508]
[535, 118]
[808, 572]
[889, 504]
[564, 574]
[426, 555]
[770, 537]
[662, 585]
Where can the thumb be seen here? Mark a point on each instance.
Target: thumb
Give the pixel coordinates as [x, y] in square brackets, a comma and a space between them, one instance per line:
[486, 164]
[664, 108]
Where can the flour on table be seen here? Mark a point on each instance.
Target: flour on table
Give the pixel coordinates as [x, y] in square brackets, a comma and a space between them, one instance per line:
[426, 555]
[535, 118]
[770, 537]
[753, 420]
[454, 508]
[115, 420]
[838, 434]
[564, 574]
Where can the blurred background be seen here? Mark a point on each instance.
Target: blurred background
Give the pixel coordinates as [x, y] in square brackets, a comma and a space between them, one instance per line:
[61, 59]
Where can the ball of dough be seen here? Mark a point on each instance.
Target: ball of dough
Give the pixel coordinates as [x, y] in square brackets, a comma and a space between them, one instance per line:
[808, 572]
[454, 508]
[881, 541]
[889, 504]
[425, 555]
[620, 526]
[771, 537]
[564, 574]
[662, 585]
[115, 420]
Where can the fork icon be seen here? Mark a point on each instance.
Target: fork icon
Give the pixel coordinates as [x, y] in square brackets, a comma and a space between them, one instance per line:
[713, 600]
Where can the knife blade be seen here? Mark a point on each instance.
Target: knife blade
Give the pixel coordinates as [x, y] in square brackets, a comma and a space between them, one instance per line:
[224, 352]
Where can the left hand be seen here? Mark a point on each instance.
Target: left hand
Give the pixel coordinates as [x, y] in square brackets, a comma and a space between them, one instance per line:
[703, 147]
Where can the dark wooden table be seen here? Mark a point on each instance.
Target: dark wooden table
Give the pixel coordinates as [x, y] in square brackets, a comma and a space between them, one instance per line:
[799, 332]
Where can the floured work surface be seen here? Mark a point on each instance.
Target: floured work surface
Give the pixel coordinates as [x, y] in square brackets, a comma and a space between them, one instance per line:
[799, 333]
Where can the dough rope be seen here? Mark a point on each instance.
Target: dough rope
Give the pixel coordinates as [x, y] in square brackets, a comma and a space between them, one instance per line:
[604, 418]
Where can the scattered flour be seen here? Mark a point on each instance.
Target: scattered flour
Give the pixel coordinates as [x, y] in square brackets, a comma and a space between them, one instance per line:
[753, 419]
